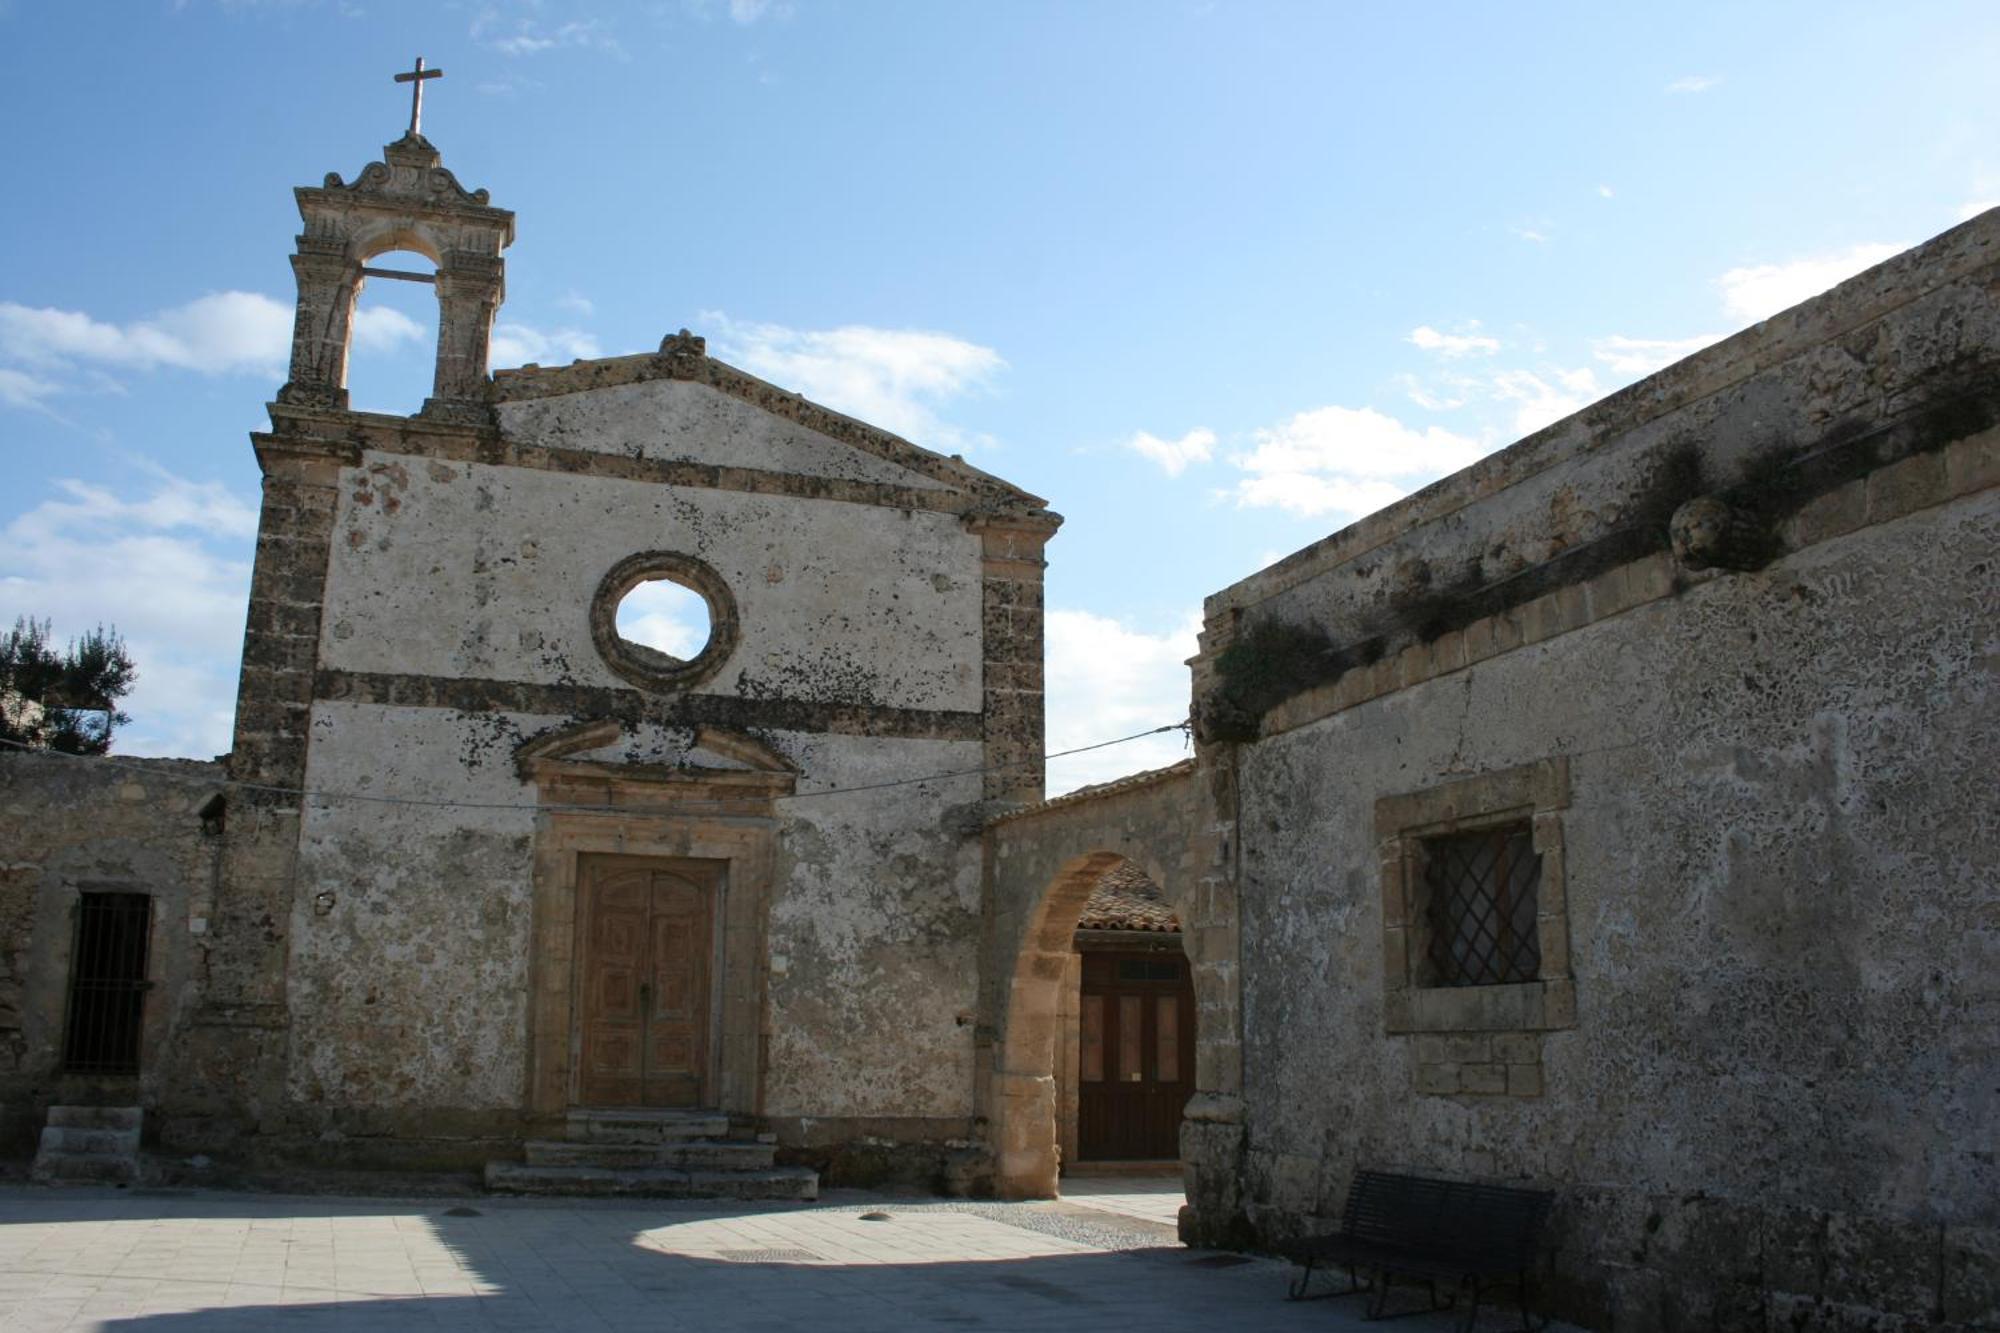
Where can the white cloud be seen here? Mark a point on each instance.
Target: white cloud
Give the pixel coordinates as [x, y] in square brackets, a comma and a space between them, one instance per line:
[577, 304]
[1759, 291]
[664, 615]
[1454, 344]
[1643, 356]
[893, 378]
[1972, 208]
[1345, 460]
[381, 328]
[1357, 441]
[1604, 192]
[1694, 83]
[170, 571]
[1547, 397]
[529, 37]
[1531, 234]
[1105, 680]
[220, 333]
[748, 11]
[518, 344]
[1173, 456]
[1447, 394]
[20, 389]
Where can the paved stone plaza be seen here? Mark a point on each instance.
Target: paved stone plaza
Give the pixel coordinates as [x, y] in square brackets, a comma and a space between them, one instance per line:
[163, 1261]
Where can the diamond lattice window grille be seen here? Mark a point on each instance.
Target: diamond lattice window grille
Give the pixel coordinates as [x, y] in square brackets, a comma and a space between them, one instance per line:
[1481, 890]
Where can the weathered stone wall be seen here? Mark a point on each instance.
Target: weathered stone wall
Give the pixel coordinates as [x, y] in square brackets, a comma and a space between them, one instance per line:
[1760, 1068]
[75, 825]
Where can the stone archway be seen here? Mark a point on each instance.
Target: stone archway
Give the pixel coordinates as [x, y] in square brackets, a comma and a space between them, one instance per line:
[1041, 866]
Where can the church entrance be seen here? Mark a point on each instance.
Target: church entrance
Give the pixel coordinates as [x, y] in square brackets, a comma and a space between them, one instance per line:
[646, 972]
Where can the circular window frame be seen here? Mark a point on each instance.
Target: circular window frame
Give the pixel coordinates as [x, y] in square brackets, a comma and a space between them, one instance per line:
[649, 668]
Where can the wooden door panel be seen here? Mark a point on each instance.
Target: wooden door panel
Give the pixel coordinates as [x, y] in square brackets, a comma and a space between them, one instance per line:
[681, 936]
[1137, 1056]
[647, 935]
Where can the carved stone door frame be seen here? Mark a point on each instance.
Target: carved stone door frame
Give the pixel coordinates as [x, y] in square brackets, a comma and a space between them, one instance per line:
[654, 811]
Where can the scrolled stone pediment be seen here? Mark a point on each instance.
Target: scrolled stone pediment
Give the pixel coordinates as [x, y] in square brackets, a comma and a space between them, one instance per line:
[410, 172]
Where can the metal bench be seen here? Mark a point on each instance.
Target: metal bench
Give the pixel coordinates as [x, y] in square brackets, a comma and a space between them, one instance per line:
[1393, 1226]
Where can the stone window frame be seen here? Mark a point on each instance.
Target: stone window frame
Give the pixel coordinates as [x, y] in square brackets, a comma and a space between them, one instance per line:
[646, 667]
[1536, 792]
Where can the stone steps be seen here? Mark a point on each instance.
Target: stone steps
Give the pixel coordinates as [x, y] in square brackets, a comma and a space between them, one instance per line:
[659, 1182]
[97, 1117]
[645, 1126]
[684, 1154]
[659, 1154]
[98, 1145]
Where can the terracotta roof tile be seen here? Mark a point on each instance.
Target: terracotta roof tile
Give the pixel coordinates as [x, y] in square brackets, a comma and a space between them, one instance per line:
[1125, 899]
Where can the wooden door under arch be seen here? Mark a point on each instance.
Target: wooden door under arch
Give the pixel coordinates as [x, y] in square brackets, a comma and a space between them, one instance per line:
[646, 968]
[1136, 1055]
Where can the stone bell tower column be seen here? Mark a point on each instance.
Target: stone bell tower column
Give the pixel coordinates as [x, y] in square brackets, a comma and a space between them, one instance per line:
[407, 201]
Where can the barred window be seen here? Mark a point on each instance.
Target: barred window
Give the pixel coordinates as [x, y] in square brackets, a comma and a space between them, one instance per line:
[1480, 890]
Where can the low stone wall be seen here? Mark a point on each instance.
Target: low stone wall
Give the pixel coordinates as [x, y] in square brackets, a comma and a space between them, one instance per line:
[82, 824]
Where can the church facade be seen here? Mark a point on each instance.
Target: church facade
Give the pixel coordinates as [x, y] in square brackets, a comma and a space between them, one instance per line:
[486, 860]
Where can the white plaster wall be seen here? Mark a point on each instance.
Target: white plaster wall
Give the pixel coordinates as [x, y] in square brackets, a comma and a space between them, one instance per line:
[412, 990]
[680, 421]
[875, 933]
[466, 570]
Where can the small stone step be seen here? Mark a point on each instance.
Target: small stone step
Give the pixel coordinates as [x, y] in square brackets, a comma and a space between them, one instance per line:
[686, 1154]
[94, 1144]
[653, 1182]
[645, 1126]
[63, 1139]
[96, 1117]
[87, 1168]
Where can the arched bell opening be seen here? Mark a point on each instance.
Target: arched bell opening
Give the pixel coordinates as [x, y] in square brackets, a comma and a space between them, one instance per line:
[393, 332]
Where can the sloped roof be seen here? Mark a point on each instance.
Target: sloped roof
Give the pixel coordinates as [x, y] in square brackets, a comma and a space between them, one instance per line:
[1125, 899]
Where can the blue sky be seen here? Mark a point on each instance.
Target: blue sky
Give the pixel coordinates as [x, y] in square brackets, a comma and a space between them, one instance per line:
[1215, 278]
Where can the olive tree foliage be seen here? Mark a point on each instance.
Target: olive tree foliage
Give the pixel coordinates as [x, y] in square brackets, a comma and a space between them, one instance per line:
[66, 700]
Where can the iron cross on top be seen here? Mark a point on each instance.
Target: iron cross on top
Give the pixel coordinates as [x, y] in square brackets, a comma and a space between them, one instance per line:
[415, 78]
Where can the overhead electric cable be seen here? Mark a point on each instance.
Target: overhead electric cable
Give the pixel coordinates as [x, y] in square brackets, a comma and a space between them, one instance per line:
[132, 765]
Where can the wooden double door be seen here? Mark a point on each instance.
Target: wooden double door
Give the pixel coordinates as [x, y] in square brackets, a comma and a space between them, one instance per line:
[646, 972]
[1135, 1055]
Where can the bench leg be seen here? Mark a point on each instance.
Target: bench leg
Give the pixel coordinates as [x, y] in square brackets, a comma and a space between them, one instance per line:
[1383, 1277]
[1303, 1282]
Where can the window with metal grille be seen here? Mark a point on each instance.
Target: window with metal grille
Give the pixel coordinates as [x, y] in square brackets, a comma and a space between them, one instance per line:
[1480, 889]
[107, 983]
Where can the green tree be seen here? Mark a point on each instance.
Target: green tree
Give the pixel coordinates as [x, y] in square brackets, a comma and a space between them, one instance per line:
[62, 701]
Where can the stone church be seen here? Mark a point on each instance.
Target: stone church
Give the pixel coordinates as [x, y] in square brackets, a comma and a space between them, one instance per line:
[476, 859]
[1615, 816]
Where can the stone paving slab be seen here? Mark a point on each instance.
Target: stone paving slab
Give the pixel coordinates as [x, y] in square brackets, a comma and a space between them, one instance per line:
[167, 1261]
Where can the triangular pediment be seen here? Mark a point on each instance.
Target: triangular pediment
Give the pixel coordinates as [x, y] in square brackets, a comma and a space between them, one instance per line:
[602, 748]
[680, 405]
